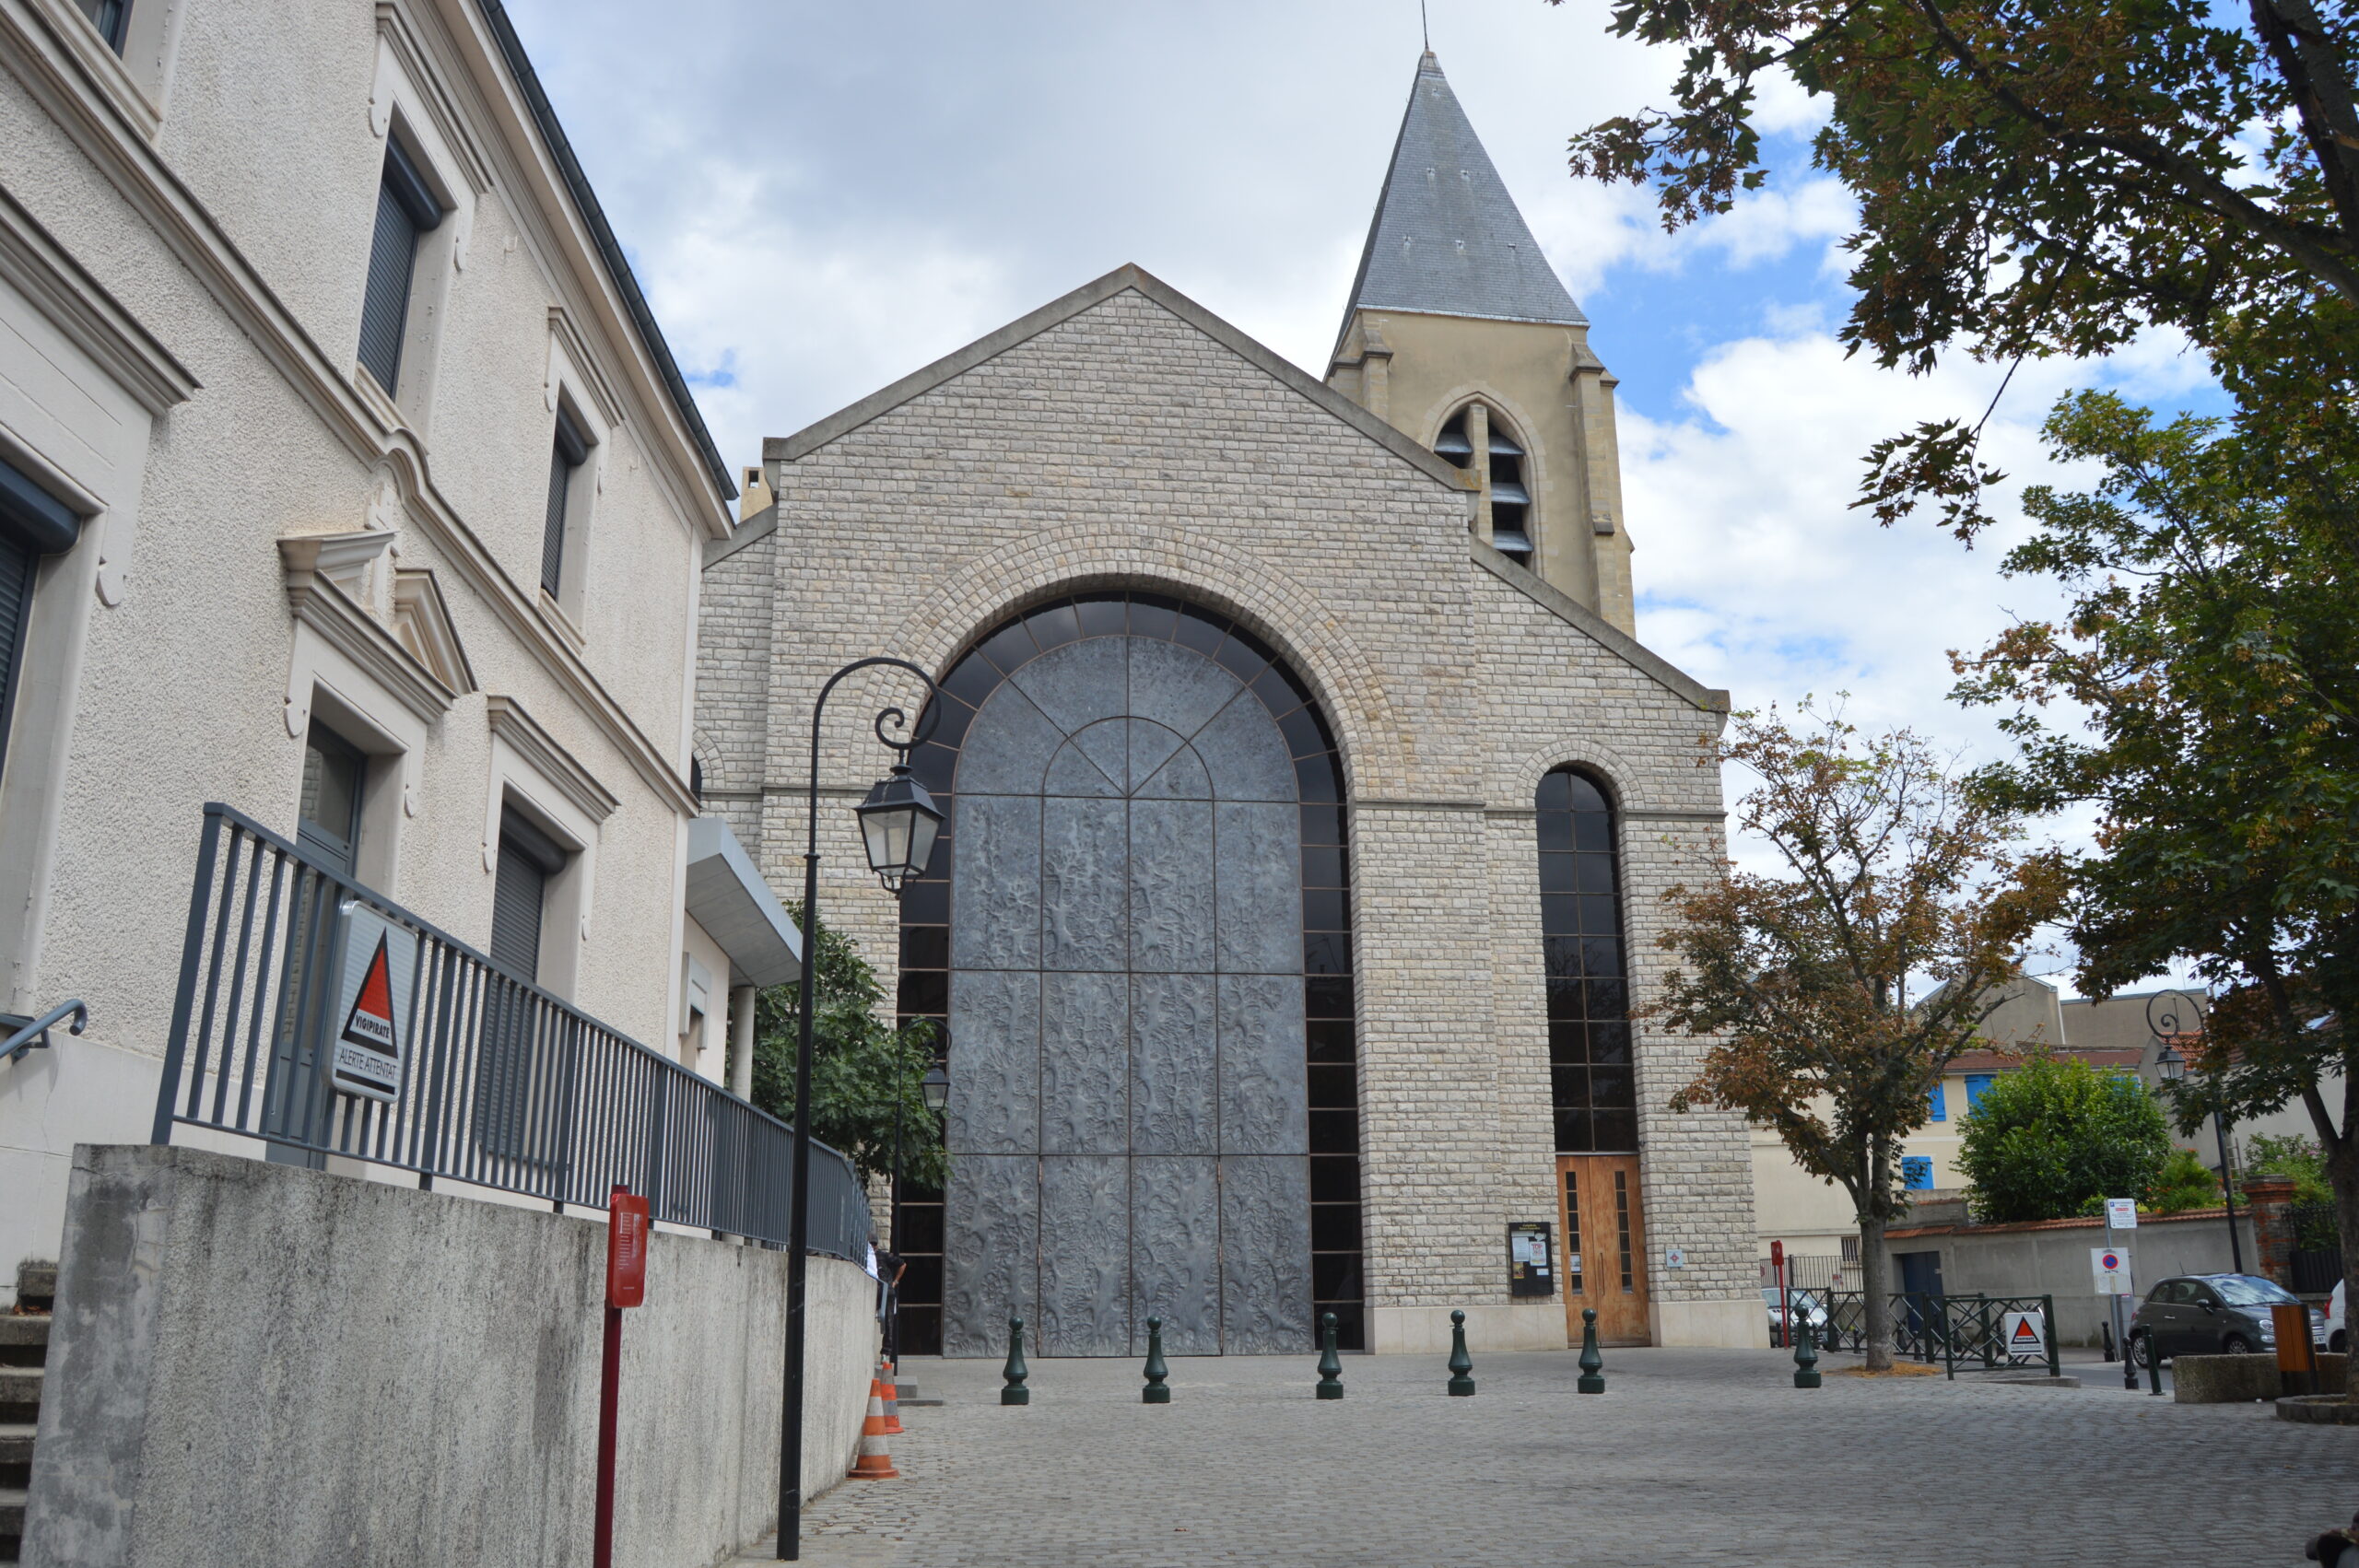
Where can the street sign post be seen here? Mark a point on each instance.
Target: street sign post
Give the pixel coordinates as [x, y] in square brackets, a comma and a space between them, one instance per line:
[627, 1225]
[2110, 1267]
[2121, 1213]
[2025, 1334]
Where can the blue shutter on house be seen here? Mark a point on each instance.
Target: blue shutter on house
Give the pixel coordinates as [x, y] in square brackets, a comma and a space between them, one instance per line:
[1941, 1104]
[405, 209]
[1976, 1085]
[1917, 1172]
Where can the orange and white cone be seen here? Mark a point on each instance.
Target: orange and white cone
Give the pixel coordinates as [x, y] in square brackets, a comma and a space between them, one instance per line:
[875, 1463]
[892, 1398]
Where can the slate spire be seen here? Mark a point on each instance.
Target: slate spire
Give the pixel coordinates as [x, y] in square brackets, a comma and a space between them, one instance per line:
[1446, 238]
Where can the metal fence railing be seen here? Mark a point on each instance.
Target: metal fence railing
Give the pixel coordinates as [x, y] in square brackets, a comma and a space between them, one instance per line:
[2316, 1260]
[1960, 1333]
[318, 1015]
[1813, 1272]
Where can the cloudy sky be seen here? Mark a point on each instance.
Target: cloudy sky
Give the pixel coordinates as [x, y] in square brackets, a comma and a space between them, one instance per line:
[821, 198]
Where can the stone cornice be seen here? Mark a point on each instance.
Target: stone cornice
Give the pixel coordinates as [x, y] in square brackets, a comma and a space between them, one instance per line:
[542, 753]
[79, 307]
[320, 605]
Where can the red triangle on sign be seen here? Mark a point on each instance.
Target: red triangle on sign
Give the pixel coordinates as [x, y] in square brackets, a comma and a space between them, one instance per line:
[370, 1021]
[2024, 1330]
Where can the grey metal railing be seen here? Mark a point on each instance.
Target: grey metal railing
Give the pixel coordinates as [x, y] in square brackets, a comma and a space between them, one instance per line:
[1961, 1333]
[318, 1016]
[32, 1033]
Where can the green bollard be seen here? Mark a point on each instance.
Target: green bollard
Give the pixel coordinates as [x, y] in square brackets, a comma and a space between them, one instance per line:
[1805, 1359]
[1016, 1393]
[1331, 1369]
[1460, 1363]
[1154, 1393]
[1593, 1365]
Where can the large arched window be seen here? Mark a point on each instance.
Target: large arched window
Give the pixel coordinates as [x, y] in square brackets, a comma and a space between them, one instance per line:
[1593, 1083]
[1136, 934]
[1505, 491]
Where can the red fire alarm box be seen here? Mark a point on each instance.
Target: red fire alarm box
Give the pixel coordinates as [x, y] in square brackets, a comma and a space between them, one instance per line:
[626, 1250]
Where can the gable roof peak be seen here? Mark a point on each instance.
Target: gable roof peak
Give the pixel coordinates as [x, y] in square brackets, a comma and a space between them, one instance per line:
[1447, 238]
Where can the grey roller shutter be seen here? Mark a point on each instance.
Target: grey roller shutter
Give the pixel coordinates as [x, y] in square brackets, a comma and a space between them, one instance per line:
[16, 565]
[405, 209]
[33, 523]
[566, 454]
[518, 892]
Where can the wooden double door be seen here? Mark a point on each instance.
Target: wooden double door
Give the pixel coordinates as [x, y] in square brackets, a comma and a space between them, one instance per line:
[1604, 1252]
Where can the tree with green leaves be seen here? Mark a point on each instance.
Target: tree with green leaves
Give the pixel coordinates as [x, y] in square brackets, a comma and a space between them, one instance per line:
[2185, 1182]
[1835, 993]
[2038, 178]
[2055, 1138]
[2202, 694]
[862, 1067]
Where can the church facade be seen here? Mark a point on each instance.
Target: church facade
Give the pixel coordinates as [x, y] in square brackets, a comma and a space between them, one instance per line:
[1310, 804]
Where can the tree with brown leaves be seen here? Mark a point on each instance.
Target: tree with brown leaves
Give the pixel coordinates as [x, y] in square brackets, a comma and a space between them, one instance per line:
[1836, 991]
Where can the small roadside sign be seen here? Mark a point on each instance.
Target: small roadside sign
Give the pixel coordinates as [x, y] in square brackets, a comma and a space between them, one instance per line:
[2110, 1267]
[2026, 1335]
[372, 1005]
[1674, 1258]
[2121, 1213]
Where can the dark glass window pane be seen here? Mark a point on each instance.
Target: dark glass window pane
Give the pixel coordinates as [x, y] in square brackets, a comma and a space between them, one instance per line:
[1335, 1276]
[1322, 866]
[1562, 957]
[1593, 873]
[1602, 957]
[923, 1282]
[971, 681]
[1194, 631]
[933, 765]
[1610, 1043]
[950, 726]
[1281, 696]
[1326, 953]
[1335, 1227]
[1335, 1179]
[1323, 910]
[1586, 795]
[1565, 998]
[1593, 832]
[1334, 1132]
[1011, 648]
[1333, 1087]
[1154, 616]
[1557, 874]
[1054, 627]
[1598, 914]
[1617, 1132]
[1351, 1331]
[1573, 1136]
[926, 947]
[920, 1232]
[921, 1331]
[918, 1192]
[1327, 996]
[1611, 1088]
[1317, 779]
[1323, 825]
[1304, 737]
[926, 903]
[1102, 617]
[1568, 1041]
[1608, 999]
[922, 991]
[1568, 1085]
[1329, 1040]
[1556, 792]
[1241, 660]
[1555, 832]
[1559, 914]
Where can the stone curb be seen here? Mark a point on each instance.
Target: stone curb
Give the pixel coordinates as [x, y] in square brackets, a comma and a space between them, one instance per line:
[2321, 1409]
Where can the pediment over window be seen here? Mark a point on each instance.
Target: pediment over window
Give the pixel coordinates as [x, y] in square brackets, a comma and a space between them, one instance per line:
[422, 624]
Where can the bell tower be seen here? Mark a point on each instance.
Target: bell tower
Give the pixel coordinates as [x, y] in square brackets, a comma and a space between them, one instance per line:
[1459, 334]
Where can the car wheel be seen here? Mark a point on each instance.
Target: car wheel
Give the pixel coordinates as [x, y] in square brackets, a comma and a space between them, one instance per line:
[2142, 1349]
[2235, 1345]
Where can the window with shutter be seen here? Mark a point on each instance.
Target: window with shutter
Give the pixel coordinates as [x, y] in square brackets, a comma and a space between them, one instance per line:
[523, 1078]
[110, 17]
[406, 209]
[567, 453]
[33, 523]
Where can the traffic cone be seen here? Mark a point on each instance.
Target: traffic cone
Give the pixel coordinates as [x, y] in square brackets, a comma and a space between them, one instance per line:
[892, 1398]
[875, 1463]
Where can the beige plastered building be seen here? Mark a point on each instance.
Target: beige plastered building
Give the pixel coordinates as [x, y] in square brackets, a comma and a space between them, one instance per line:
[378, 498]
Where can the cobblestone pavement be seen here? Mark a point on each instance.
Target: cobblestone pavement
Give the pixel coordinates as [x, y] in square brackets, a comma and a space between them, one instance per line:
[1691, 1456]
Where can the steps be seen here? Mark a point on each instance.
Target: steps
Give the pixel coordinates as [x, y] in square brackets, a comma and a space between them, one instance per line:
[24, 1357]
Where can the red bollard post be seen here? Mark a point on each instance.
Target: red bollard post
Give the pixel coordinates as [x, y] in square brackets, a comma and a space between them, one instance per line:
[1785, 1296]
[626, 1286]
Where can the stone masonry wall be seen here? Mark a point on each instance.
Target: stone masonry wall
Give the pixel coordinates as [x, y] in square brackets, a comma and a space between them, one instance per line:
[1123, 439]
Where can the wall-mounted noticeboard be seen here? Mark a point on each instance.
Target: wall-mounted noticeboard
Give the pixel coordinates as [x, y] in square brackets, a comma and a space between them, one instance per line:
[1531, 1264]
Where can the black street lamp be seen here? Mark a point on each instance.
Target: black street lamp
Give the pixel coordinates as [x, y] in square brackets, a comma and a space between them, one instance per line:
[899, 824]
[2173, 1068]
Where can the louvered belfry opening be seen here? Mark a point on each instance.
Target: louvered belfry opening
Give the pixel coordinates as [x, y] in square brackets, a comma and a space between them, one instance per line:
[1136, 932]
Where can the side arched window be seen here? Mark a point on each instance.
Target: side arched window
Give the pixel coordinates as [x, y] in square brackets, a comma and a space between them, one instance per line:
[1593, 1087]
[1505, 492]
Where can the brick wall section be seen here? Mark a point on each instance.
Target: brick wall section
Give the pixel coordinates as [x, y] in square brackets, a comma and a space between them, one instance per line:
[1128, 446]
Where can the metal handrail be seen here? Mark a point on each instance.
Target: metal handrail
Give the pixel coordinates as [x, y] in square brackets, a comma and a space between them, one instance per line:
[34, 1037]
[500, 1083]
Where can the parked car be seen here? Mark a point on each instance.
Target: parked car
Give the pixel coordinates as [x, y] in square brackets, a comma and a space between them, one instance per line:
[2338, 1326]
[2202, 1315]
[1807, 1309]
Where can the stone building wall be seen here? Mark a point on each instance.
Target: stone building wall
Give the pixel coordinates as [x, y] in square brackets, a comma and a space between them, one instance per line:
[1123, 437]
